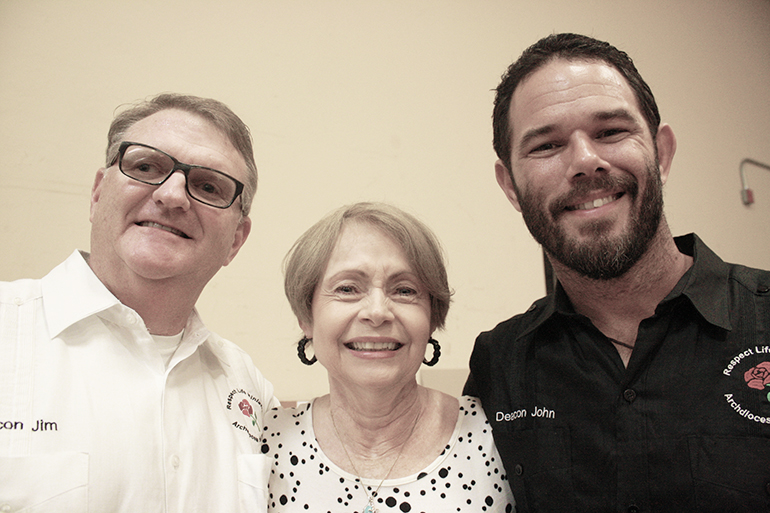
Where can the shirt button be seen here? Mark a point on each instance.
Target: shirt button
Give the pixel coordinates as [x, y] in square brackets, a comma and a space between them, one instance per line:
[767, 487]
[518, 470]
[633, 509]
[5, 508]
[629, 395]
[175, 462]
[17, 301]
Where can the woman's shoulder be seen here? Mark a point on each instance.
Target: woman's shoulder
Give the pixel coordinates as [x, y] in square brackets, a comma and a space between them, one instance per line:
[288, 432]
[472, 415]
[287, 419]
[471, 406]
[459, 414]
[474, 446]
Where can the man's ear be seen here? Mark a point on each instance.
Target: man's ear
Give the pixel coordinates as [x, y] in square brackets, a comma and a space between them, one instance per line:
[665, 142]
[241, 234]
[505, 182]
[96, 191]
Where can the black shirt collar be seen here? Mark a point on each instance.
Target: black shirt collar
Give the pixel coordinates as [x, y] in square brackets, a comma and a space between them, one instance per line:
[705, 285]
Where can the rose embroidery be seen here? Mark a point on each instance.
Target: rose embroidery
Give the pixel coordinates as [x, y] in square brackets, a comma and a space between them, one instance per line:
[247, 410]
[758, 377]
[245, 407]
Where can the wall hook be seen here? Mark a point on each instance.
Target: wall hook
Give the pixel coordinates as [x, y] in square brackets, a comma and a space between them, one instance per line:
[747, 195]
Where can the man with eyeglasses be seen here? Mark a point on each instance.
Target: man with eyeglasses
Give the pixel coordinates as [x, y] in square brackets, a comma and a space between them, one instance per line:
[113, 394]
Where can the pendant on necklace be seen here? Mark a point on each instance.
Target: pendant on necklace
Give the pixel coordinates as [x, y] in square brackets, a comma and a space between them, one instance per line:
[370, 506]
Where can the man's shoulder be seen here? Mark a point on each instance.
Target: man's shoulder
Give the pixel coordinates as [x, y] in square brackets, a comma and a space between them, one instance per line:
[753, 279]
[23, 290]
[239, 365]
[495, 351]
[20, 291]
[230, 352]
[519, 323]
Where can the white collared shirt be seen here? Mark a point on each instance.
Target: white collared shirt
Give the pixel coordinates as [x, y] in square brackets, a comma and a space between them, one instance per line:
[91, 419]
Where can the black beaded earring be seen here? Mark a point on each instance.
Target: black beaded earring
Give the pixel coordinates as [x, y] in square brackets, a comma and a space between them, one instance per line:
[436, 353]
[301, 351]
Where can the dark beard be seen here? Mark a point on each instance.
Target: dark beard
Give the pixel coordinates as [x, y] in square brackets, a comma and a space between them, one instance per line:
[604, 257]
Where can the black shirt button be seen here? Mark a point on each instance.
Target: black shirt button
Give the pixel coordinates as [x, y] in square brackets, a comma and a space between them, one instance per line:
[633, 509]
[767, 487]
[763, 289]
[518, 470]
[629, 395]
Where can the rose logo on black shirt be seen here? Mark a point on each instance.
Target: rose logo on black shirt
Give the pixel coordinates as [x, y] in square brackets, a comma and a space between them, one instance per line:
[739, 393]
[759, 377]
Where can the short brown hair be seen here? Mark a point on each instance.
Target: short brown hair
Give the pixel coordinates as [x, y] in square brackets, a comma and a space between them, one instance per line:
[213, 111]
[306, 261]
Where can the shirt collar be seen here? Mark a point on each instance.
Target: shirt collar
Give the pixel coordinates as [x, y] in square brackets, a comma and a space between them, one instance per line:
[72, 292]
[196, 335]
[705, 285]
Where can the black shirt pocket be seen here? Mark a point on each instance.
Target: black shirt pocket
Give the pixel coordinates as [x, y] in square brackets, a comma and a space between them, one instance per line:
[538, 467]
[731, 474]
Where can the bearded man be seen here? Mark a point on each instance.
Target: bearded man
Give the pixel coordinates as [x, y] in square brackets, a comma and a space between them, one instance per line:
[637, 385]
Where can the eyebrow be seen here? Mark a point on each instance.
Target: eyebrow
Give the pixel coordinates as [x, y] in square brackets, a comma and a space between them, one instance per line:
[622, 114]
[533, 134]
[345, 274]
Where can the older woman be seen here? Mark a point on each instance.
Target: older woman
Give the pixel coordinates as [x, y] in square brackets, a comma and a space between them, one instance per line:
[368, 286]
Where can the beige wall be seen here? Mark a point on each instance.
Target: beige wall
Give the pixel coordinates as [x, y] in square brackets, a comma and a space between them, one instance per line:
[366, 100]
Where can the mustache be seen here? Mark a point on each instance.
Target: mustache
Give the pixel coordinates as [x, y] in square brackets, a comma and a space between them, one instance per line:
[582, 188]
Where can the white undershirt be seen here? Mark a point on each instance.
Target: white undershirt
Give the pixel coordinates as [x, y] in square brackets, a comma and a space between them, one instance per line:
[167, 345]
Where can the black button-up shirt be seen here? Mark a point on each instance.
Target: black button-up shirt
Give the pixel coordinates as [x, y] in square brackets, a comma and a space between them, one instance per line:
[685, 427]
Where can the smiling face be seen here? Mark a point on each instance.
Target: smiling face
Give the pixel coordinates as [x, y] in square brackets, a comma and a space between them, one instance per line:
[371, 314]
[147, 232]
[587, 176]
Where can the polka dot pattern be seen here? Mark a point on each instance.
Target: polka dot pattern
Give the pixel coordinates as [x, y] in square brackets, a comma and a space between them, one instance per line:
[467, 476]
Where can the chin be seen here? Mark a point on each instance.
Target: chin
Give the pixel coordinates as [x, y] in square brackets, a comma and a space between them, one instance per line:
[154, 266]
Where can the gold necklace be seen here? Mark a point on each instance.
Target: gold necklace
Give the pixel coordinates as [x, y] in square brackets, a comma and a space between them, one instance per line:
[370, 508]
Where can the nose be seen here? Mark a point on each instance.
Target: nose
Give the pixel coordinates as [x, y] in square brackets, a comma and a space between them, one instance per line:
[585, 159]
[173, 192]
[376, 308]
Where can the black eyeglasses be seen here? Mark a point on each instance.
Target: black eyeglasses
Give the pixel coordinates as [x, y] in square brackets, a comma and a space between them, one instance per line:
[151, 166]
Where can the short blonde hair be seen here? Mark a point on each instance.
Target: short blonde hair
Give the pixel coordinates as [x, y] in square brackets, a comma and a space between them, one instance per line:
[306, 261]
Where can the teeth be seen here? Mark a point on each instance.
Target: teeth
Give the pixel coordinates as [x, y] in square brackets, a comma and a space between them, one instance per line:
[162, 227]
[595, 203]
[374, 346]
